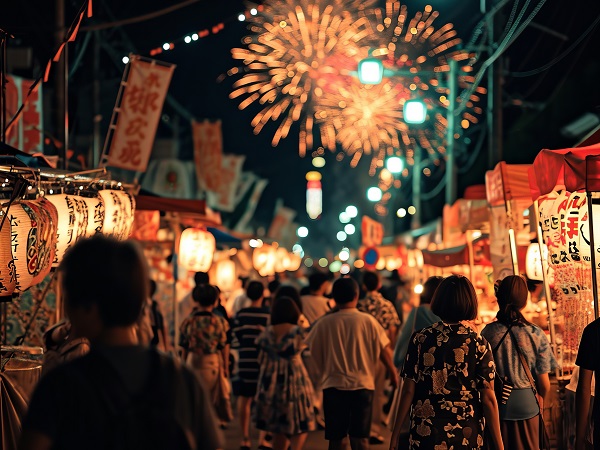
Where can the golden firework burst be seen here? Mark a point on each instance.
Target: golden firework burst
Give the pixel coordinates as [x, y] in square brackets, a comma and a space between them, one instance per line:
[286, 59]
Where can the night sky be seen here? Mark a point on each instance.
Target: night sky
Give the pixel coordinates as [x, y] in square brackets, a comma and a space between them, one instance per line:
[534, 107]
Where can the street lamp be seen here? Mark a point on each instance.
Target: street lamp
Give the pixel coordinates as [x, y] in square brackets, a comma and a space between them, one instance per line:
[370, 70]
[374, 194]
[415, 111]
[394, 164]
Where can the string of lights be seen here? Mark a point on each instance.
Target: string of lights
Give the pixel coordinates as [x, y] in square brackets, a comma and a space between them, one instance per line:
[196, 35]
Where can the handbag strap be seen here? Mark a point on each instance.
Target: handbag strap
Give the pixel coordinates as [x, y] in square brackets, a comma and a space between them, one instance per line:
[527, 370]
[502, 339]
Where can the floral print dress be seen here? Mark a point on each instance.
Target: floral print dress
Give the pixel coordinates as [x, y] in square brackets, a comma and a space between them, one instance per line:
[449, 364]
[285, 396]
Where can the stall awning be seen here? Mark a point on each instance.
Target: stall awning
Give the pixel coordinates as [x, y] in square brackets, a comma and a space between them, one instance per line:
[460, 255]
[573, 169]
[507, 182]
[190, 209]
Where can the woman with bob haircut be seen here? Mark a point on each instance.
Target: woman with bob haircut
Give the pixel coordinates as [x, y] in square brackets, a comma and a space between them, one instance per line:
[448, 377]
[285, 397]
[510, 335]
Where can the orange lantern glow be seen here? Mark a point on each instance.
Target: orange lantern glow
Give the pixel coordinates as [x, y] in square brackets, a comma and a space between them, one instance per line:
[295, 262]
[8, 275]
[282, 260]
[196, 249]
[314, 195]
[263, 260]
[225, 276]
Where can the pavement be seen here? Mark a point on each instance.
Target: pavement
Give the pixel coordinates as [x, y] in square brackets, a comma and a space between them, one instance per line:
[315, 441]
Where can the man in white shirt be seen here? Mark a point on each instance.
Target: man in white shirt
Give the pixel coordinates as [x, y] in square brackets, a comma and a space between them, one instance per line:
[315, 304]
[346, 346]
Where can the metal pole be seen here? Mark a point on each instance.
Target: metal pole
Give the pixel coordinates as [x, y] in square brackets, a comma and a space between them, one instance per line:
[3, 39]
[96, 145]
[593, 254]
[416, 186]
[450, 157]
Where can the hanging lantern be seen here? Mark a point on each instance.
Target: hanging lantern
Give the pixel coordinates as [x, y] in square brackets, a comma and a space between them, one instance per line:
[33, 239]
[314, 195]
[225, 276]
[8, 275]
[295, 262]
[196, 249]
[263, 260]
[533, 262]
[72, 222]
[282, 260]
[95, 215]
[119, 209]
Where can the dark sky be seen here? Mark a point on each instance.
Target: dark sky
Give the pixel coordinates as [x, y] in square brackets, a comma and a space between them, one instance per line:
[534, 107]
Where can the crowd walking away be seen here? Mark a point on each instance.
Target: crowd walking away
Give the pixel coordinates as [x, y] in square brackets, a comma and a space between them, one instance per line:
[282, 365]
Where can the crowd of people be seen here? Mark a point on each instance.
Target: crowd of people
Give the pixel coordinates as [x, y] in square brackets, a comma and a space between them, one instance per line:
[334, 354]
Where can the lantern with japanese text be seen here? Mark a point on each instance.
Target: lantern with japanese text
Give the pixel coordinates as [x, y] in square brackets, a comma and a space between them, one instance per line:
[33, 228]
[73, 216]
[94, 210]
[263, 260]
[225, 276]
[314, 195]
[119, 207]
[533, 262]
[8, 275]
[196, 249]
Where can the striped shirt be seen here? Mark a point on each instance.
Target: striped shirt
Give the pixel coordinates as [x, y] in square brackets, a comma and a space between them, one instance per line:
[247, 325]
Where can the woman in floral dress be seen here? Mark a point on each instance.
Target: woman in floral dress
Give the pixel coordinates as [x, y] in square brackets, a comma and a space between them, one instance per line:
[448, 378]
[284, 399]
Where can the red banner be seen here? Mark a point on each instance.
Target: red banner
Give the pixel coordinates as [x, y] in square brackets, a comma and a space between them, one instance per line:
[372, 232]
[26, 134]
[224, 197]
[143, 97]
[208, 153]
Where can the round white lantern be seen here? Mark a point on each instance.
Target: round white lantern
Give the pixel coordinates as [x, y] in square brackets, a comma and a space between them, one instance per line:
[119, 209]
[225, 276]
[196, 249]
[72, 222]
[95, 215]
[263, 260]
[533, 262]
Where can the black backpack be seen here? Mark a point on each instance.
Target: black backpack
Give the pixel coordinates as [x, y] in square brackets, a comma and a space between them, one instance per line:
[143, 421]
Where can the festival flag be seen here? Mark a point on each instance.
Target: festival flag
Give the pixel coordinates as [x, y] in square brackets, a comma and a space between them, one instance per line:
[26, 133]
[242, 224]
[208, 153]
[223, 198]
[282, 224]
[143, 92]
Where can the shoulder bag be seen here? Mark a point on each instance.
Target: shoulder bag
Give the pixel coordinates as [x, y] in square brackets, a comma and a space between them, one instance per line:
[544, 438]
[502, 386]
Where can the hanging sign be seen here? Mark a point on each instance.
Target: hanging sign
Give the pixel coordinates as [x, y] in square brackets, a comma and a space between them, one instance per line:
[143, 94]
[208, 152]
[372, 232]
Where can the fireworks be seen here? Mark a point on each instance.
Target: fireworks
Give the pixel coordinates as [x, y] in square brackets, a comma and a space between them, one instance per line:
[300, 63]
[286, 60]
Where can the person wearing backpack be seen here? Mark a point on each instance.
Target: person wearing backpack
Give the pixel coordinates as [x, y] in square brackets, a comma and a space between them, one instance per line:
[121, 395]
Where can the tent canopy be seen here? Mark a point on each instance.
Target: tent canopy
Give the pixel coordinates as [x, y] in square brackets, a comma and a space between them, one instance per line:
[459, 255]
[573, 169]
[507, 182]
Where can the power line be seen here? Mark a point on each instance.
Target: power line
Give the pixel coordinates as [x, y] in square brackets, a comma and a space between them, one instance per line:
[549, 64]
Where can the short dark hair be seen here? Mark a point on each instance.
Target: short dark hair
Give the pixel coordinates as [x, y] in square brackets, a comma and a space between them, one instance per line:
[316, 280]
[107, 273]
[291, 292]
[344, 290]
[284, 310]
[205, 295]
[273, 285]
[455, 299]
[429, 288]
[255, 290]
[371, 280]
[201, 278]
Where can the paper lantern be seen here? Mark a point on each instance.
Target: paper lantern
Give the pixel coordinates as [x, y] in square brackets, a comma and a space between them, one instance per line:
[225, 275]
[533, 262]
[295, 262]
[196, 249]
[33, 228]
[263, 260]
[95, 213]
[314, 195]
[8, 275]
[282, 260]
[119, 209]
[72, 222]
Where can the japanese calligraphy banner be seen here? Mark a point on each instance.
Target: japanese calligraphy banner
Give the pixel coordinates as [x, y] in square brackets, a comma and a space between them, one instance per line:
[223, 198]
[143, 97]
[26, 135]
[208, 150]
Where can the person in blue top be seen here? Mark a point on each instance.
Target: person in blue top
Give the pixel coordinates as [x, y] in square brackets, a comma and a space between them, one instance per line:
[419, 318]
[510, 334]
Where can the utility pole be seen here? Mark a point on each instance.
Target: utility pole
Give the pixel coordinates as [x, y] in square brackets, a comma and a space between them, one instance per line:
[494, 97]
[416, 187]
[61, 83]
[450, 128]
